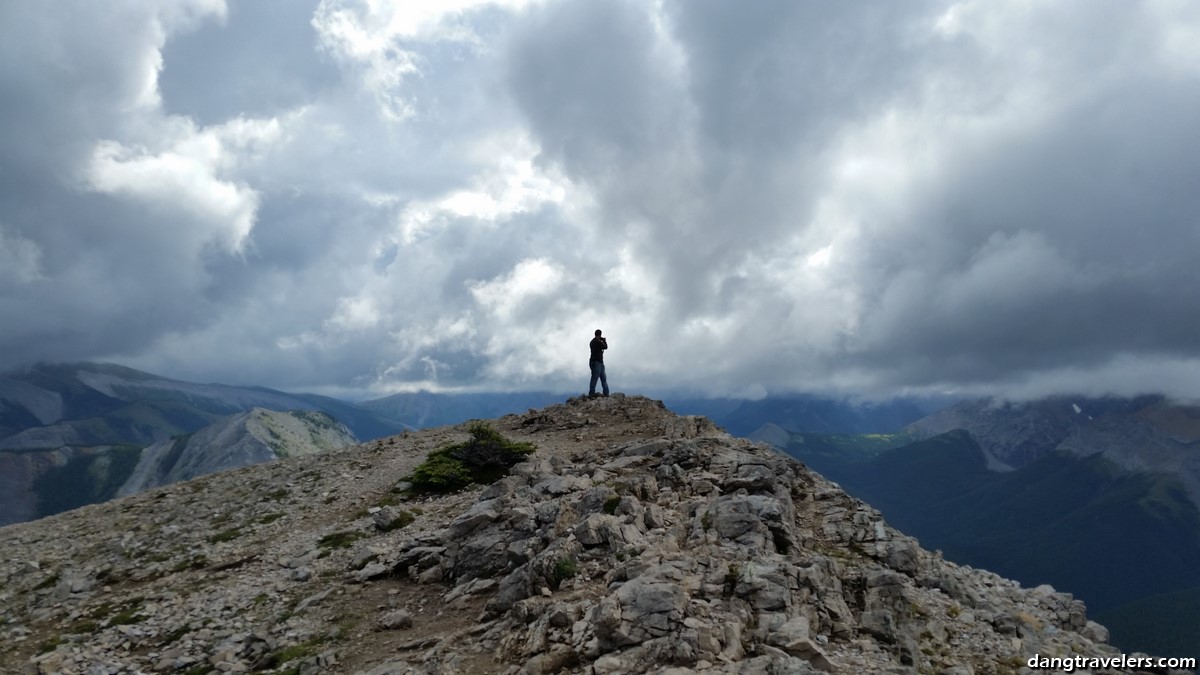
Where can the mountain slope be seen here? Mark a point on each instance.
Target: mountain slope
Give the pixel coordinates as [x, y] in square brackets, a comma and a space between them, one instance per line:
[45, 483]
[239, 440]
[1082, 524]
[83, 425]
[1012, 434]
[1160, 623]
[632, 541]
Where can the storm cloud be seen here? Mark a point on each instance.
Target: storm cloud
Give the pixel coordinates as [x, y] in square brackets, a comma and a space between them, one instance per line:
[361, 197]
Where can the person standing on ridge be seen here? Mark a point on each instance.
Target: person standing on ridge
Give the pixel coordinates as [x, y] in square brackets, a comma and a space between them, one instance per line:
[596, 363]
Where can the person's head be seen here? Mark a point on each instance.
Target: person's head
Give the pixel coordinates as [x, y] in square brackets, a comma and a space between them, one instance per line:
[597, 332]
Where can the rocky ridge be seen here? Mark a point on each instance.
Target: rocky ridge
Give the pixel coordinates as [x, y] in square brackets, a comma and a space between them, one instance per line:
[632, 541]
[252, 437]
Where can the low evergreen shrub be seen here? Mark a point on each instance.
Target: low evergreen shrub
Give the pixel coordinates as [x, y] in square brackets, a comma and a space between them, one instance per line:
[486, 456]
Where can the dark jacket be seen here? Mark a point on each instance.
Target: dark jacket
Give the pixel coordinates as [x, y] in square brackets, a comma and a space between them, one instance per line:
[598, 346]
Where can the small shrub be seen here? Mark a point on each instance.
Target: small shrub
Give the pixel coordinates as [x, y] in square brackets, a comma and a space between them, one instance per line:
[51, 644]
[482, 459]
[564, 569]
[440, 473]
[269, 518]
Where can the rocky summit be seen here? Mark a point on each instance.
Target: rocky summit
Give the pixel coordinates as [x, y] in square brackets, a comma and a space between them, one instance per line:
[631, 541]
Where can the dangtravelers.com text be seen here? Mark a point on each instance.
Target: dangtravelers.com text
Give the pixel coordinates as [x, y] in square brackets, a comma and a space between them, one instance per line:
[1068, 664]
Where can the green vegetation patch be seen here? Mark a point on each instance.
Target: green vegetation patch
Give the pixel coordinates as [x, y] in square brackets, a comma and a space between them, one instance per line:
[225, 535]
[276, 495]
[197, 562]
[564, 569]
[482, 459]
[51, 644]
[403, 519]
[339, 539]
[83, 627]
[315, 418]
[129, 616]
[175, 635]
[48, 582]
[290, 653]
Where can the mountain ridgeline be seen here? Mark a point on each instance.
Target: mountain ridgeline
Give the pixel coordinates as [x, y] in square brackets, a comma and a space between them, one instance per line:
[76, 434]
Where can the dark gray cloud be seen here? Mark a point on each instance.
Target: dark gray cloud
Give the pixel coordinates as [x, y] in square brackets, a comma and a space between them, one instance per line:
[355, 197]
[216, 72]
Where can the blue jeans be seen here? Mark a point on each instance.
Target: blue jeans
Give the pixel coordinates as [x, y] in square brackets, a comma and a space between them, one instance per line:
[597, 374]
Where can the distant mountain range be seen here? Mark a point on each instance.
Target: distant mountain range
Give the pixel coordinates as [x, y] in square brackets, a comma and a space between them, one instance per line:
[809, 413]
[424, 409]
[1097, 497]
[792, 412]
[74, 434]
[128, 429]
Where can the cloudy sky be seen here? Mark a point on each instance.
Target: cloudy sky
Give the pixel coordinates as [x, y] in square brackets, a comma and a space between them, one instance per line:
[364, 196]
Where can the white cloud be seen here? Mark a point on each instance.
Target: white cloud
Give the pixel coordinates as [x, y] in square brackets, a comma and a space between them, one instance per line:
[510, 185]
[747, 199]
[530, 279]
[178, 181]
[381, 42]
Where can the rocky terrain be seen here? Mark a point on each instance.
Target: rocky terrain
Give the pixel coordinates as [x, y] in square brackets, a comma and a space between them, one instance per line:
[633, 540]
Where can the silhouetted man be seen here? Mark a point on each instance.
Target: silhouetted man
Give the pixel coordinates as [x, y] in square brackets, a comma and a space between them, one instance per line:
[596, 363]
